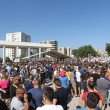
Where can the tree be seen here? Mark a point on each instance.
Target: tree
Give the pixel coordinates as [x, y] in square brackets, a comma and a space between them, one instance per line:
[1, 59]
[84, 51]
[22, 56]
[7, 59]
[74, 52]
[108, 48]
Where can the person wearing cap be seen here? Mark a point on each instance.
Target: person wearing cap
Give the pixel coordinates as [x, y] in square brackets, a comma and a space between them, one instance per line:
[63, 78]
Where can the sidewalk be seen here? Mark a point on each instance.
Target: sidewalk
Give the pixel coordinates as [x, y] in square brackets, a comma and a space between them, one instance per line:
[74, 102]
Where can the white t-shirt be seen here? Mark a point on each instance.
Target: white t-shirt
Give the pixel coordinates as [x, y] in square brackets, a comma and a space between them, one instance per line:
[17, 104]
[55, 72]
[34, 71]
[78, 74]
[50, 107]
[8, 69]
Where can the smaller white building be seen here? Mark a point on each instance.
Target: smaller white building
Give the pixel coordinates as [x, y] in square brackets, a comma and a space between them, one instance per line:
[65, 50]
[16, 37]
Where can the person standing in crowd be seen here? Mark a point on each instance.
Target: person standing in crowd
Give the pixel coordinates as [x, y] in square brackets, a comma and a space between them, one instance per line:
[4, 88]
[92, 101]
[14, 86]
[35, 96]
[22, 75]
[78, 81]
[48, 96]
[34, 71]
[63, 78]
[108, 78]
[108, 89]
[28, 84]
[54, 67]
[68, 72]
[17, 103]
[73, 82]
[8, 69]
[42, 76]
[95, 75]
[70, 87]
[55, 72]
[91, 87]
[50, 71]
[61, 94]
[15, 71]
[84, 80]
[102, 85]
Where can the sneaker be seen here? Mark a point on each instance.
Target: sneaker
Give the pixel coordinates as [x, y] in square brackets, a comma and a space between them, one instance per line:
[75, 95]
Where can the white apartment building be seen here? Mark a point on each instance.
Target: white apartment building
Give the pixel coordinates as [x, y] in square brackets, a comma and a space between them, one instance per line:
[54, 44]
[16, 37]
[65, 50]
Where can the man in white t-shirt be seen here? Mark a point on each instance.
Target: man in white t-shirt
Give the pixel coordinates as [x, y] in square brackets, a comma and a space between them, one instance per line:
[78, 81]
[16, 103]
[55, 72]
[48, 96]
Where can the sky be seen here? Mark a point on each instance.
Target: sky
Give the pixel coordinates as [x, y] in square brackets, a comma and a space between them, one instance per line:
[73, 23]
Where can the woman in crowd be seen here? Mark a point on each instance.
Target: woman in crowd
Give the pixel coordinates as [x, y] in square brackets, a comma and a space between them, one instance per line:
[4, 87]
[22, 75]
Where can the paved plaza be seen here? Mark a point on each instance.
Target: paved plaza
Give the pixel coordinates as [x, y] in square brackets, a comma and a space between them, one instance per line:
[75, 101]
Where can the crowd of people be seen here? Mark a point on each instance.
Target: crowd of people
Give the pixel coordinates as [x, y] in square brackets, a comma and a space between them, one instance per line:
[23, 85]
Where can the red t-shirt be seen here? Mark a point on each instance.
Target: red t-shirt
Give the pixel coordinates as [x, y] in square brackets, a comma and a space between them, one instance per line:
[86, 93]
[54, 67]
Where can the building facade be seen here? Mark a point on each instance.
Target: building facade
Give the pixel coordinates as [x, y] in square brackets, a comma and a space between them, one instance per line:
[16, 37]
[54, 44]
[66, 51]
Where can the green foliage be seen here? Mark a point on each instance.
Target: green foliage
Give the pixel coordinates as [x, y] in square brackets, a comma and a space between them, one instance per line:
[74, 52]
[22, 56]
[108, 48]
[7, 59]
[1, 59]
[84, 51]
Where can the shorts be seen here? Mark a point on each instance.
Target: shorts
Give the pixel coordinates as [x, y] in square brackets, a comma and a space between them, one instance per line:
[104, 98]
[78, 84]
[5, 95]
[73, 83]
